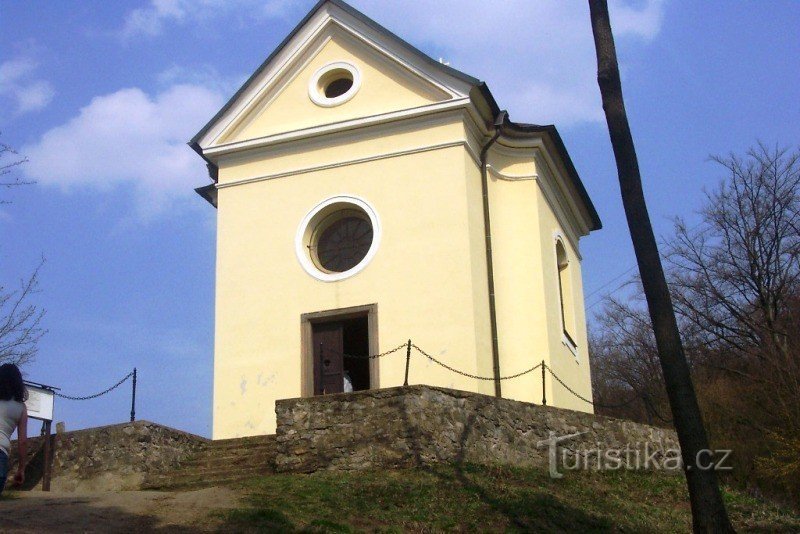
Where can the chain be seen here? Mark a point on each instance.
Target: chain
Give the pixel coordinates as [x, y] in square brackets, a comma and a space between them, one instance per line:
[468, 375]
[115, 386]
[375, 356]
[584, 399]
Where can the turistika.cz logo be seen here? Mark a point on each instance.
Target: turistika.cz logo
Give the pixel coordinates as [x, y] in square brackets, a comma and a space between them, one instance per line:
[650, 456]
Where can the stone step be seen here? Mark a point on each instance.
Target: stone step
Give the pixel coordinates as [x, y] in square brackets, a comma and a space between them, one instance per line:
[238, 443]
[254, 449]
[220, 462]
[211, 473]
[251, 459]
[232, 454]
[204, 477]
[267, 463]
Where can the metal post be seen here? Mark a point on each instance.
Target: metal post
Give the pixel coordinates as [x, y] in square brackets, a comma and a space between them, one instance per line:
[133, 398]
[544, 396]
[408, 361]
[47, 457]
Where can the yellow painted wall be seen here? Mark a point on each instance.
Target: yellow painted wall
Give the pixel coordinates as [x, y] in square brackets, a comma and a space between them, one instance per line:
[574, 371]
[420, 278]
[428, 276]
[519, 285]
[524, 226]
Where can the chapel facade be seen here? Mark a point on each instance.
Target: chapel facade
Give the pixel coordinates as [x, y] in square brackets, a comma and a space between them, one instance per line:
[368, 194]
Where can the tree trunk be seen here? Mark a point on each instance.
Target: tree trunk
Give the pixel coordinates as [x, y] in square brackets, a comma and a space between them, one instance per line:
[708, 510]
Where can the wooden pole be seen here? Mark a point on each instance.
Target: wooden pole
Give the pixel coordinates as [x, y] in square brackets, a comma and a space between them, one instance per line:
[48, 453]
[708, 508]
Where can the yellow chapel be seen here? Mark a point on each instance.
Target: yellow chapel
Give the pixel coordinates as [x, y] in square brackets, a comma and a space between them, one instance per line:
[367, 194]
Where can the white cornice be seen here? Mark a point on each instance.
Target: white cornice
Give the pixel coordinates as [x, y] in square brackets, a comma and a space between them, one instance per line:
[510, 177]
[562, 194]
[335, 128]
[341, 163]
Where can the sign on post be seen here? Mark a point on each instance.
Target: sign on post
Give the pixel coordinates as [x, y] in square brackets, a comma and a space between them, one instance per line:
[40, 406]
[40, 402]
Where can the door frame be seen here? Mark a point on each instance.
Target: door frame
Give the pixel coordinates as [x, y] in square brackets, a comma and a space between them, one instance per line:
[307, 320]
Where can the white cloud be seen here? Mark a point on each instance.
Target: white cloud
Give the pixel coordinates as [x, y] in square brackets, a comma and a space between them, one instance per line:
[152, 19]
[204, 76]
[129, 138]
[18, 84]
[537, 56]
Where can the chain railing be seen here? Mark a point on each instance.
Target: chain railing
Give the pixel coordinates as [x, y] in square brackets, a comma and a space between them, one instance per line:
[584, 399]
[132, 374]
[469, 375]
[372, 356]
[542, 365]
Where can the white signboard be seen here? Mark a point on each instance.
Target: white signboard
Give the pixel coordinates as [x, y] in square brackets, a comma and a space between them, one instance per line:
[40, 403]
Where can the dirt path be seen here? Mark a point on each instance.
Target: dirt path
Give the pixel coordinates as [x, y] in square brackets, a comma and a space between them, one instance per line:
[127, 511]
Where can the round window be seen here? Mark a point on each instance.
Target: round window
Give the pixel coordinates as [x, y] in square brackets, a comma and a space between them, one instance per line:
[337, 238]
[334, 84]
[341, 240]
[340, 82]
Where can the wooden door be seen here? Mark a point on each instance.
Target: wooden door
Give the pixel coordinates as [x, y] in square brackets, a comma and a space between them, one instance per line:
[328, 358]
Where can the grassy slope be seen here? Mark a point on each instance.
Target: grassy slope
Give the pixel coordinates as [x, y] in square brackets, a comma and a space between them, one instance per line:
[485, 498]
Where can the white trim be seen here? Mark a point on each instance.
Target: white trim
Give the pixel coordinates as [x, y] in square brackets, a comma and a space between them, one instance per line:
[300, 247]
[336, 127]
[327, 166]
[397, 51]
[315, 92]
[273, 72]
[511, 177]
[558, 237]
[565, 194]
[572, 348]
[271, 90]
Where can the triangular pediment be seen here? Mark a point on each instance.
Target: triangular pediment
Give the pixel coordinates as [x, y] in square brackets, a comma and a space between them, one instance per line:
[385, 86]
[391, 77]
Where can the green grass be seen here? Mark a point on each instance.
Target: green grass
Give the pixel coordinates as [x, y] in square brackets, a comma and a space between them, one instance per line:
[470, 498]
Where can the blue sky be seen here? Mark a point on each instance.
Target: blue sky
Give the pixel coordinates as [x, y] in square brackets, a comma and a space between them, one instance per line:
[102, 96]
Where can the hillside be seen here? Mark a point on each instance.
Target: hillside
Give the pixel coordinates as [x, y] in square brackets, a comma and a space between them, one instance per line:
[444, 498]
[485, 498]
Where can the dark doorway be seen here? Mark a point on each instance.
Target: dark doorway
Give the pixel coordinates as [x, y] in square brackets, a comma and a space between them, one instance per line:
[340, 348]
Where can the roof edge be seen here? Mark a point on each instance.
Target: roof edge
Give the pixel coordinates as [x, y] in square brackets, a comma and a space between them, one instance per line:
[209, 193]
[525, 130]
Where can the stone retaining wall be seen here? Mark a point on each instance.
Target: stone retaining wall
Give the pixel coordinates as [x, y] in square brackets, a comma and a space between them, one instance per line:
[388, 428]
[110, 458]
[420, 425]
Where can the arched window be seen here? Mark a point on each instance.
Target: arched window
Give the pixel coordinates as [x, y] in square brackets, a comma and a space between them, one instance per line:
[565, 292]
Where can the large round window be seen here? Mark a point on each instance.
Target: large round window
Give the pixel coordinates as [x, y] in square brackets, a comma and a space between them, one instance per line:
[337, 238]
[341, 240]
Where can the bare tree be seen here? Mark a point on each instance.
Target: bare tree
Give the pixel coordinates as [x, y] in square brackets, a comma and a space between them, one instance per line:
[6, 182]
[626, 371]
[20, 320]
[735, 281]
[708, 510]
[735, 273]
